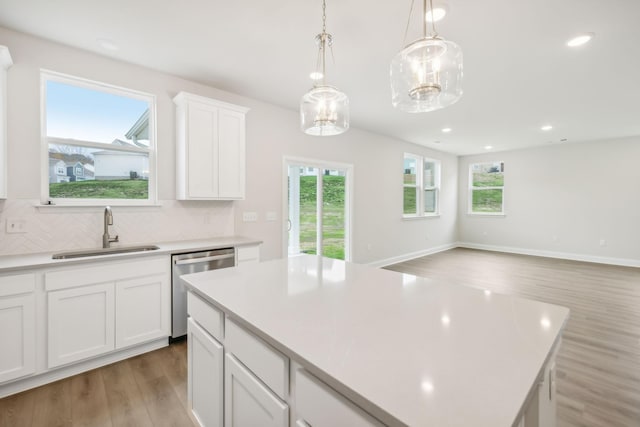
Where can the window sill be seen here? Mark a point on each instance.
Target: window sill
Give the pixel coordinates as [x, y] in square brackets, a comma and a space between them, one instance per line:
[414, 217]
[487, 214]
[95, 207]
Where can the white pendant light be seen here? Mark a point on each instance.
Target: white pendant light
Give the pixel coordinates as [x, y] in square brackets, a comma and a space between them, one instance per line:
[427, 74]
[324, 110]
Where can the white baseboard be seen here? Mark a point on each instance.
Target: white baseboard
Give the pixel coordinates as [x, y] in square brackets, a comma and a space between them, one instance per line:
[77, 368]
[412, 255]
[552, 254]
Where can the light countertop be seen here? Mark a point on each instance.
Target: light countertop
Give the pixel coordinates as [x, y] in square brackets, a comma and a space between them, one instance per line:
[409, 350]
[44, 259]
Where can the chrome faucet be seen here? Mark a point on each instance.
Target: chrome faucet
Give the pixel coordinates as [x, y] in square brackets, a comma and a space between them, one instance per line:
[108, 220]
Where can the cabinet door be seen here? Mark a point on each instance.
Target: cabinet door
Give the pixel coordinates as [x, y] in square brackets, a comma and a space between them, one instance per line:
[81, 323]
[231, 154]
[247, 255]
[248, 402]
[142, 310]
[18, 336]
[202, 151]
[205, 389]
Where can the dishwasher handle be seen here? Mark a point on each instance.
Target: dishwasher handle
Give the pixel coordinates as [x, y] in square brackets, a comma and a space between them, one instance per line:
[203, 259]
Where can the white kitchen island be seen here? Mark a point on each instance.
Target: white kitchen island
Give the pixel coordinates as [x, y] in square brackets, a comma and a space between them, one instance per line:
[309, 341]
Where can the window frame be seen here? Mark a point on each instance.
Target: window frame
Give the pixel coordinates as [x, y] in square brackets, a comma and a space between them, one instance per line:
[421, 187]
[471, 189]
[152, 180]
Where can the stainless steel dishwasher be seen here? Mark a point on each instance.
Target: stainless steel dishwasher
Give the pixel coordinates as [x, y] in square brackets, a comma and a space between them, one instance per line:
[192, 262]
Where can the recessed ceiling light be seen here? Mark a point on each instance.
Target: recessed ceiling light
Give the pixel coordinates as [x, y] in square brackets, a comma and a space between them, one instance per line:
[546, 127]
[108, 44]
[446, 130]
[488, 147]
[316, 75]
[580, 39]
[438, 13]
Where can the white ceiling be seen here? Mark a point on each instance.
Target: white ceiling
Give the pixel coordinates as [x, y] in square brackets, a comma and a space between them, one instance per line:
[518, 72]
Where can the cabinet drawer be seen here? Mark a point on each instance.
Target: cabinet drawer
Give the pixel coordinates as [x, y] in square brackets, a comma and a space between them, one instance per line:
[318, 405]
[17, 284]
[210, 318]
[248, 253]
[268, 364]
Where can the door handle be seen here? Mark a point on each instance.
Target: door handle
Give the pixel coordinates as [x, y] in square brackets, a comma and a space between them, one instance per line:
[288, 225]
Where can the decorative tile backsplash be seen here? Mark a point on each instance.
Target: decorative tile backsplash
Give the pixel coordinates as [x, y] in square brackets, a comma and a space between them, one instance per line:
[51, 229]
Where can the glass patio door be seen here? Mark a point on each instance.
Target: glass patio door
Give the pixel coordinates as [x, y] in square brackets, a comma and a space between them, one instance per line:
[318, 209]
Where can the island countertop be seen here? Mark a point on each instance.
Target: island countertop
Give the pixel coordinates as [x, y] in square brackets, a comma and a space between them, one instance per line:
[410, 350]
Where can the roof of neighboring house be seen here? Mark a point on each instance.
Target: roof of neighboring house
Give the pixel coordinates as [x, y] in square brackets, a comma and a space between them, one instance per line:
[54, 161]
[73, 164]
[140, 128]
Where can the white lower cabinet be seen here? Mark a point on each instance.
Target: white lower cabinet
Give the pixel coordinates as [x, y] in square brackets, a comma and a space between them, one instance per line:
[248, 402]
[541, 409]
[17, 327]
[142, 309]
[81, 323]
[104, 306]
[205, 391]
[247, 255]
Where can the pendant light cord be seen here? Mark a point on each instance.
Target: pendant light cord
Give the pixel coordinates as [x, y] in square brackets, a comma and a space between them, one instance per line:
[406, 29]
[424, 20]
[433, 20]
[324, 39]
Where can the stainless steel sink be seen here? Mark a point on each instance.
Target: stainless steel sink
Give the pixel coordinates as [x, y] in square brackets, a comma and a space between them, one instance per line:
[104, 251]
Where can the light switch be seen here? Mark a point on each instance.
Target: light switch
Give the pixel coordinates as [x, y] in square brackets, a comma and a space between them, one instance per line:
[249, 216]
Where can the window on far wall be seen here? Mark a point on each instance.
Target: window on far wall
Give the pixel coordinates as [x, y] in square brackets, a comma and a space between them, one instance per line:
[99, 141]
[421, 186]
[486, 188]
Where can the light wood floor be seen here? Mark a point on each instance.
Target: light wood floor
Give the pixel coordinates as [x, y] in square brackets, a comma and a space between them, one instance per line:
[146, 390]
[598, 363]
[599, 360]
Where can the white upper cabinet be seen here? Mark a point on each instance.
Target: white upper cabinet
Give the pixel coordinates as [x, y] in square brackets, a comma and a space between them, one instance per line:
[210, 144]
[5, 63]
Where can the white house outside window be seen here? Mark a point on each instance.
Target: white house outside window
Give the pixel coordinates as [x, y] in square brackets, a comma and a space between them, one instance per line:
[421, 184]
[98, 142]
[486, 188]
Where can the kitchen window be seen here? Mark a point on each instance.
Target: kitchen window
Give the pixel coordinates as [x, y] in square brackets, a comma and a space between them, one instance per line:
[421, 186]
[98, 141]
[486, 188]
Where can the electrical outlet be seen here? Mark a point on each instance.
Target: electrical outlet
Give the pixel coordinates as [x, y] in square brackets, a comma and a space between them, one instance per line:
[249, 216]
[603, 242]
[16, 226]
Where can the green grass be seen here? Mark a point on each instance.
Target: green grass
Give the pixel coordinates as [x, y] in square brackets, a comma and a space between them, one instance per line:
[116, 189]
[333, 218]
[488, 179]
[487, 201]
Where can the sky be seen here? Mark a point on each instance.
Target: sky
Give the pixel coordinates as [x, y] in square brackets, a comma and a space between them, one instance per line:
[90, 115]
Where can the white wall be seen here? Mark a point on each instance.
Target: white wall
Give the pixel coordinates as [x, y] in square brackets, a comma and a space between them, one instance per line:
[576, 201]
[272, 133]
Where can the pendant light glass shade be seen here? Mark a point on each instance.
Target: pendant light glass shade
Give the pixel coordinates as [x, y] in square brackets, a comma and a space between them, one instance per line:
[324, 110]
[427, 74]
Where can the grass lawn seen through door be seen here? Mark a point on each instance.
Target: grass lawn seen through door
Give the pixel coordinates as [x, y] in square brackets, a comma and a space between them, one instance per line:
[333, 196]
